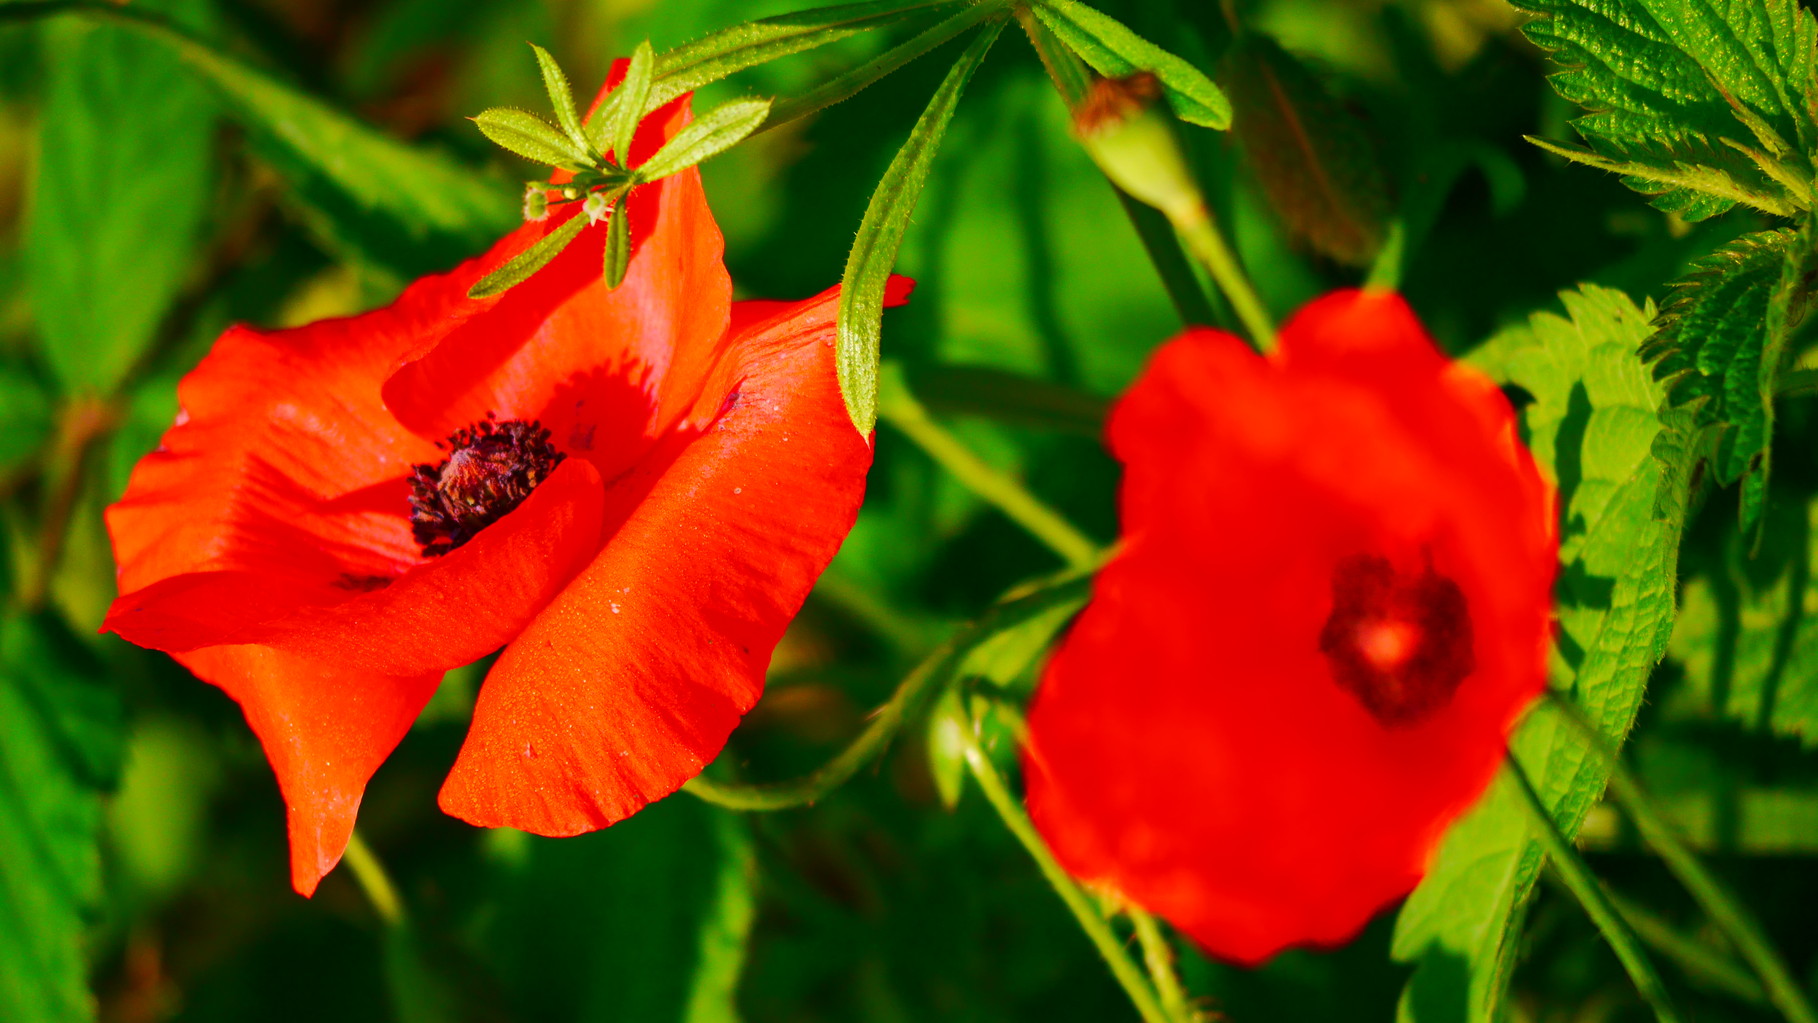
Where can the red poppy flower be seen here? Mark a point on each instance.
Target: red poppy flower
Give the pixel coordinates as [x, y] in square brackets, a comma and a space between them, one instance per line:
[631, 491]
[1331, 605]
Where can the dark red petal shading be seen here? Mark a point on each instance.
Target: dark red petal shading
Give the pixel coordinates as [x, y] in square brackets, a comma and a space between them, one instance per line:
[631, 680]
[1190, 747]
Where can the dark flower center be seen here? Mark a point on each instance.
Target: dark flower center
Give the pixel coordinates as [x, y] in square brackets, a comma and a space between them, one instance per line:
[490, 469]
[1400, 643]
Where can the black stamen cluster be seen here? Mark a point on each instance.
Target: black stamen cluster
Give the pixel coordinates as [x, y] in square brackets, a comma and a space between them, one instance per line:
[1367, 593]
[491, 468]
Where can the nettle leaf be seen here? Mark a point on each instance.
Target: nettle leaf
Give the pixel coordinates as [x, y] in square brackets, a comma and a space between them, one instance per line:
[1595, 427]
[880, 235]
[61, 737]
[1700, 105]
[124, 175]
[1721, 344]
[530, 137]
[1317, 164]
[1746, 638]
[1114, 51]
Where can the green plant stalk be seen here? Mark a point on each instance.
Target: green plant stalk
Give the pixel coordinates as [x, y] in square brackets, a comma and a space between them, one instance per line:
[1127, 973]
[370, 875]
[1206, 242]
[1071, 79]
[1158, 955]
[898, 407]
[912, 694]
[1696, 958]
[1583, 885]
[1724, 909]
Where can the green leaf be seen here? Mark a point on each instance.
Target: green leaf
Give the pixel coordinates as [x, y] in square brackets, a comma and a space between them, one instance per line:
[618, 245]
[850, 84]
[60, 742]
[1114, 51]
[1721, 345]
[561, 98]
[1747, 638]
[25, 418]
[880, 234]
[617, 130]
[1594, 427]
[530, 137]
[124, 176]
[647, 920]
[351, 174]
[1317, 164]
[1702, 105]
[528, 262]
[947, 724]
[707, 136]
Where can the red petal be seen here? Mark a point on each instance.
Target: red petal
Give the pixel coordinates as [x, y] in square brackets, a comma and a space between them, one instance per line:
[633, 678]
[1189, 746]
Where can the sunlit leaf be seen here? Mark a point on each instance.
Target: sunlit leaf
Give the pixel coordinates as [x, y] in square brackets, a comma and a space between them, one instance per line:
[706, 136]
[1592, 426]
[880, 233]
[528, 262]
[1114, 51]
[530, 137]
[627, 105]
[561, 98]
[618, 245]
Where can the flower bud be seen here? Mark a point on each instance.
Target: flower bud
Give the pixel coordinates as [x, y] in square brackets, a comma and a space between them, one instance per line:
[536, 203]
[1130, 135]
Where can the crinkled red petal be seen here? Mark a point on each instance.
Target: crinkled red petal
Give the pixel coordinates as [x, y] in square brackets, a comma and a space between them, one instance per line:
[1190, 747]
[631, 680]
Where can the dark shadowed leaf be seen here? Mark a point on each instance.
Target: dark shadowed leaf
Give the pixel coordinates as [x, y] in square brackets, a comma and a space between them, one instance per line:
[1315, 160]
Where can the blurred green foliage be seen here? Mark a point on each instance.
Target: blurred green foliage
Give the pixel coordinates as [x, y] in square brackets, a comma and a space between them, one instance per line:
[153, 191]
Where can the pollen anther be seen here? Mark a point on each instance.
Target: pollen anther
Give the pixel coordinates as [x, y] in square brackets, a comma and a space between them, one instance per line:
[491, 468]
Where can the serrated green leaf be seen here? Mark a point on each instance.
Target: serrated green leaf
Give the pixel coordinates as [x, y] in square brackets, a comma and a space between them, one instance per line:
[124, 176]
[620, 125]
[1317, 165]
[1747, 638]
[618, 245]
[1114, 51]
[1674, 85]
[707, 136]
[1719, 347]
[1693, 191]
[850, 84]
[1593, 427]
[648, 920]
[880, 234]
[530, 137]
[60, 747]
[561, 98]
[528, 262]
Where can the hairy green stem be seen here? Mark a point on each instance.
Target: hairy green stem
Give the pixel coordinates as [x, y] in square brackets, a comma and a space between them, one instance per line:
[1584, 885]
[1724, 909]
[898, 407]
[370, 875]
[1158, 955]
[1196, 225]
[1127, 973]
[911, 695]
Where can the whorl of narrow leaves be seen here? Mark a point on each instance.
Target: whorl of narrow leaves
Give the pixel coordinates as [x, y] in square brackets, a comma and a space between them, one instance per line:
[1317, 164]
[1719, 346]
[1702, 104]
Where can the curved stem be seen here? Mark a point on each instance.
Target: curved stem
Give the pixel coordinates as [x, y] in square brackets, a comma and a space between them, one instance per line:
[1724, 909]
[370, 874]
[914, 691]
[1096, 927]
[898, 407]
[1596, 902]
[1158, 955]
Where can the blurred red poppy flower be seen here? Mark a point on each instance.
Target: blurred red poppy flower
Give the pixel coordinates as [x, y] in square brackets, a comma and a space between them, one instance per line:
[630, 491]
[1331, 605]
